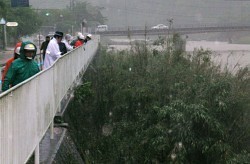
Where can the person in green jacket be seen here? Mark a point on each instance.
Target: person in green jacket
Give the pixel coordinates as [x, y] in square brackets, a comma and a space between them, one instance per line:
[22, 68]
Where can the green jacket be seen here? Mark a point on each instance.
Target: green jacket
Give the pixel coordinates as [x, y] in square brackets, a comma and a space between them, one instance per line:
[21, 69]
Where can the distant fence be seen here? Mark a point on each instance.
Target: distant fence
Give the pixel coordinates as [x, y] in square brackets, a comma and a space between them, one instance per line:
[187, 29]
[28, 109]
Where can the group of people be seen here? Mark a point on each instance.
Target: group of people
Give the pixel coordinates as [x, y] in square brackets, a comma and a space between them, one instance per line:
[22, 65]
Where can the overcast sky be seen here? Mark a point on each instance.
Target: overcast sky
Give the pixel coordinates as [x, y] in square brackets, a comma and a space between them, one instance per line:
[151, 12]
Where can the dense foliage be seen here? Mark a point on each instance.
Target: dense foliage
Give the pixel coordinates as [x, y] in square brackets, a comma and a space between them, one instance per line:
[32, 21]
[68, 18]
[162, 107]
[27, 19]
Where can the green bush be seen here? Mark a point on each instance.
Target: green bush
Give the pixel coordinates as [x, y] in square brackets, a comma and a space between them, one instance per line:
[169, 107]
[160, 41]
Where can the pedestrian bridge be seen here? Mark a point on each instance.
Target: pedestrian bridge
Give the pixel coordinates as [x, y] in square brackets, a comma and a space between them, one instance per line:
[28, 109]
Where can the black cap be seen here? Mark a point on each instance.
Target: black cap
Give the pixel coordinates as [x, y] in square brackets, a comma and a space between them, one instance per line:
[58, 33]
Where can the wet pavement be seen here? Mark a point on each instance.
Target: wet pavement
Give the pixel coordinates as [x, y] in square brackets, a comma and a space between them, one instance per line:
[5, 55]
[49, 147]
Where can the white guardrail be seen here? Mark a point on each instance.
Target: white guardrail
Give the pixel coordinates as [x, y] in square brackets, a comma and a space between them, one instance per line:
[28, 109]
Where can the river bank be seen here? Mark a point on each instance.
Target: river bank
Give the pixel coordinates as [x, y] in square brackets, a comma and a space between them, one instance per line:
[233, 56]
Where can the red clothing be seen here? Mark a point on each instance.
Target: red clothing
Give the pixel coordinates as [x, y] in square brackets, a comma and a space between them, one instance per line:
[17, 45]
[78, 43]
[7, 66]
[9, 61]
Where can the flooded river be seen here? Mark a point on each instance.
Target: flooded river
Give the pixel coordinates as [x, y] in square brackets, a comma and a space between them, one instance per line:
[233, 56]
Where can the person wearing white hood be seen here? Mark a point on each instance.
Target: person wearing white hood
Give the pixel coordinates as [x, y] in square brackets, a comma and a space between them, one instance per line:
[66, 41]
[53, 52]
[79, 34]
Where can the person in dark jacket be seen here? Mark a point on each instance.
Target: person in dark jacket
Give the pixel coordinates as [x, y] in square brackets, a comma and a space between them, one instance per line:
[62, 48]
[88, 37]
[23, 67]
[44, 46]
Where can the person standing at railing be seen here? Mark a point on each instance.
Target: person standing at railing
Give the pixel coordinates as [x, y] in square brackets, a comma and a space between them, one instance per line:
[66, 41]
[63, 48]
[88, 38]
[53, 51]
[80, 41]
[44, 46]
[74, 41]
[23, 67]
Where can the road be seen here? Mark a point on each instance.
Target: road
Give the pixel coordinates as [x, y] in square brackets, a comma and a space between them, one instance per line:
[5, 55]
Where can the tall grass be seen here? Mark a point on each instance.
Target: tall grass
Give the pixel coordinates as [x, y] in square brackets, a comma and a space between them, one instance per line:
[143, 106]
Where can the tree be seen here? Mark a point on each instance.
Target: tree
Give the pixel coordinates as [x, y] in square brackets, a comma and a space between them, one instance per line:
[28, 20]
[3, 8]
[169, 107]
[64, 19]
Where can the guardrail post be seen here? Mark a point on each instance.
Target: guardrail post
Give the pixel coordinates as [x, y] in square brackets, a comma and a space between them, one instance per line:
[52, 130]
[5, 37]
[60, 107]
[37, 154]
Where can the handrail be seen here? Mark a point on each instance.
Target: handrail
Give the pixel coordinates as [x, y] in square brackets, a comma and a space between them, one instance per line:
[28, 109]
[176, 29]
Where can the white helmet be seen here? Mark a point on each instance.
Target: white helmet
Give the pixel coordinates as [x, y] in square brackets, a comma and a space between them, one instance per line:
[79, 34]
[90, 36]
[29, 47]
[81, 37]
[17, 51]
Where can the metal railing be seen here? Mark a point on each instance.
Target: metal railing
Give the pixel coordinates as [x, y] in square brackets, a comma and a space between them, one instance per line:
[27, 110]
[187, 29]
